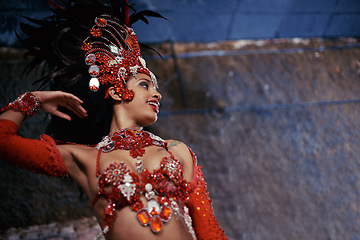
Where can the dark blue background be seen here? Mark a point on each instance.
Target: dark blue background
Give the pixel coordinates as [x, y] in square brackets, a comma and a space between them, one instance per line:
[214, 20]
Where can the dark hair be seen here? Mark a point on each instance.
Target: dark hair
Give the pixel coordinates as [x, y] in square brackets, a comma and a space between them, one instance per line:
[88, 130]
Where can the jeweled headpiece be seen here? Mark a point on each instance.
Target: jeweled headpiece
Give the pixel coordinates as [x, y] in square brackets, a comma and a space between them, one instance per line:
[100, 28]
[113, 55]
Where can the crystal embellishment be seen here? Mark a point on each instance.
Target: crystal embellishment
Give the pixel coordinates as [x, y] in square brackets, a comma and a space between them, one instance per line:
[128, 188]
[114, 49]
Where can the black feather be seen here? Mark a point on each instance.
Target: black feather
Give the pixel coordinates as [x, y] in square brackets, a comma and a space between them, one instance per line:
[142, 16]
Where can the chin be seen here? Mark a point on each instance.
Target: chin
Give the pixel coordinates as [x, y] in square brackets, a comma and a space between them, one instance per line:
[148, 121]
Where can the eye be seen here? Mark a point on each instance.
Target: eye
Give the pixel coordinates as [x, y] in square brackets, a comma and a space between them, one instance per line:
[144, 85]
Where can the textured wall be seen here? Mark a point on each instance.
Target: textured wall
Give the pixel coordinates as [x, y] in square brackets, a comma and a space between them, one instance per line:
[277, 131]
[275, 125]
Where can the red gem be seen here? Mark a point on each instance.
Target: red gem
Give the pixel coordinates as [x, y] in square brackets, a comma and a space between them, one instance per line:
[130, 132]
[143, 216]
[156, 224]
[165, 213]
[154, 212]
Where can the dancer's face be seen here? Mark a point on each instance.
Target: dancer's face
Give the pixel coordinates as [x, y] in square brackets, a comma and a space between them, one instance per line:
[144, 107]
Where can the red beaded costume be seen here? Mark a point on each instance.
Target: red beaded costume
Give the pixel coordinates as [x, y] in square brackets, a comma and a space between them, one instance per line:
[42, 156]
[165, 189]
[109, 55]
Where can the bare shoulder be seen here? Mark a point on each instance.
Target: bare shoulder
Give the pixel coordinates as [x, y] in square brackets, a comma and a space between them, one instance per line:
[181, 152]
[178, 147]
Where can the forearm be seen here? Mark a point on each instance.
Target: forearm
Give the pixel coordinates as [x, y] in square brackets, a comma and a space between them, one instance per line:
[13, 116]
[40, 156]
[204, 222]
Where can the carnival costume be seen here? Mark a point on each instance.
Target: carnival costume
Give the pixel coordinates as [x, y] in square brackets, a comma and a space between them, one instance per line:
[112, 55]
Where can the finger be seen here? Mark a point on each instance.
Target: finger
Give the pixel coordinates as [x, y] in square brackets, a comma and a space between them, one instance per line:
[81, 110]
[74, 104]
[61, 115]
[77, 109]
[69, 97]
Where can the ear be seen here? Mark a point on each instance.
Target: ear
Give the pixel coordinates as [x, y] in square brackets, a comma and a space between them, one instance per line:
[113, 94]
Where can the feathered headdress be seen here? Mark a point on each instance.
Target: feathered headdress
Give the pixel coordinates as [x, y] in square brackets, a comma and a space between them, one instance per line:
[87, 38]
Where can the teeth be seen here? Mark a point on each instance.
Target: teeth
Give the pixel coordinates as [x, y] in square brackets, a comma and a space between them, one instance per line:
[153, 103]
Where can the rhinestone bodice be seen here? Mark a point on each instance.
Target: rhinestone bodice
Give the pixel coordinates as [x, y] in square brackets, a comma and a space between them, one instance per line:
[165, 188]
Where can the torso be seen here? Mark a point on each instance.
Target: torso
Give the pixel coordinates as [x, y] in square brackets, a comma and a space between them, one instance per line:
[126, 224]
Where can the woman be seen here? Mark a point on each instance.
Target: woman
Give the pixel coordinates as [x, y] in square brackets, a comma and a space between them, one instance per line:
[141, 186]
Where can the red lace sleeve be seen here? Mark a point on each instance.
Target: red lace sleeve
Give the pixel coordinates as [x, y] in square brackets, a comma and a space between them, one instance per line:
[205, 224]
[40, 156]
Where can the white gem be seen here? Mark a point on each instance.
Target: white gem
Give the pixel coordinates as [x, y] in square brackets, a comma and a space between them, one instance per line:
[148, 187]
[90, 59]
[94, 71]
[114, 49]
[128, 188]
[153, 205]
[94, 84]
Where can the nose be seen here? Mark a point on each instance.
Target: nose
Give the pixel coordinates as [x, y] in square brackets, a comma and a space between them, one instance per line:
[157, 95]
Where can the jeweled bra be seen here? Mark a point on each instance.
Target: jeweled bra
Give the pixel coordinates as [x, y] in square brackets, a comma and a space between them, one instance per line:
[165, 188]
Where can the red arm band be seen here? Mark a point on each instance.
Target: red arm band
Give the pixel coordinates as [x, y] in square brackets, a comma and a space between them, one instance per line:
[205, 224]
[39, 156]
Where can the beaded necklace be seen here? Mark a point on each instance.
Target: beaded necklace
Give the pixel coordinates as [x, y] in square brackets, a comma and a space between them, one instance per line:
[132, 140]
[163, 197]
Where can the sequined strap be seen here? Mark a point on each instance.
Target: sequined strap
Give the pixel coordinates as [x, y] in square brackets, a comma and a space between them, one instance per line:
[98, 163]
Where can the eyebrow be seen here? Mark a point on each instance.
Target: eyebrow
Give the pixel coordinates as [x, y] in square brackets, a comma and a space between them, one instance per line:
[140, 79]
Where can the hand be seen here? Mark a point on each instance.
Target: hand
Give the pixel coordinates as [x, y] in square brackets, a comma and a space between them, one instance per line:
[51, 100]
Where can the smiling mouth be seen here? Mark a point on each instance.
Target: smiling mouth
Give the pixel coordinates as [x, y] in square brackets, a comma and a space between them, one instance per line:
[155, 105]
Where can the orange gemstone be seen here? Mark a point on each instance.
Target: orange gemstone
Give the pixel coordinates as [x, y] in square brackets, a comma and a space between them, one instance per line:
[143, 216]
[156, 224]
[165, 213]
[95, 32]
[101, 22]
[129, 41]
[86, 46]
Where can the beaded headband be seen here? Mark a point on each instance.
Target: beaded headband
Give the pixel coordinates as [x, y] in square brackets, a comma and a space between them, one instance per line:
[113, 55]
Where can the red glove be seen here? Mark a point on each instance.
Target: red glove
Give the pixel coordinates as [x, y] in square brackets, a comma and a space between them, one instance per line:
[204, 222]
[39, 156]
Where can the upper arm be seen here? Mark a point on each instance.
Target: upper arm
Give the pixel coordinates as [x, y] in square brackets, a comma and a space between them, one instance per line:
[72, 164]
[68, 158]
[182, 153]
